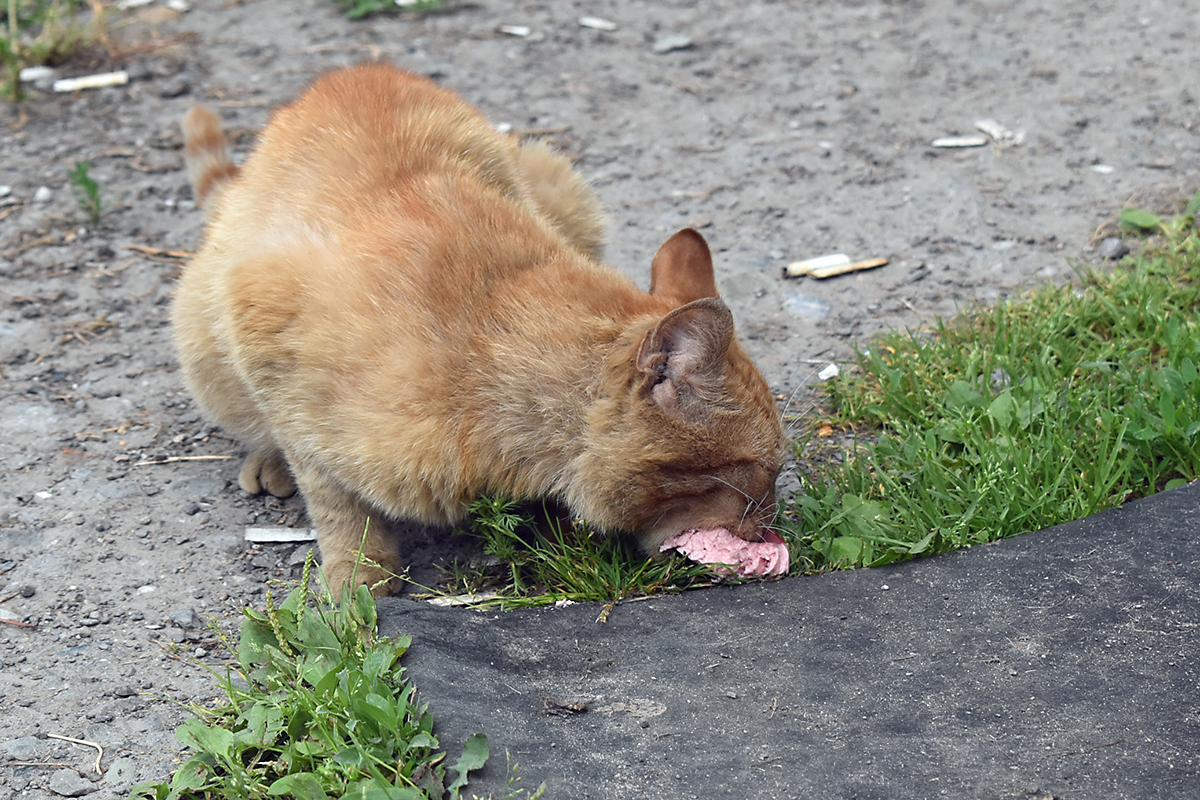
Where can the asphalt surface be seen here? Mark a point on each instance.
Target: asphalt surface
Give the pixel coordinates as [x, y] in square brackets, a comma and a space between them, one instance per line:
[1062, 664]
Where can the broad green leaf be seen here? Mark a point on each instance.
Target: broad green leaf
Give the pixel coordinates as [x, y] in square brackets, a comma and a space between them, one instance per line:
[923, 545]
[1137, 219]
[378, 789]
[1166, 408]
[300, 785]
[1193, 206]
[963, 395]
[474, 756]
[845, 548]
[198, 736]
[1001, 409]
[1175, 483]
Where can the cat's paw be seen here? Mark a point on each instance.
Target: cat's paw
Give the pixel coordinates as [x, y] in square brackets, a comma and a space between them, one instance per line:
[267, 471]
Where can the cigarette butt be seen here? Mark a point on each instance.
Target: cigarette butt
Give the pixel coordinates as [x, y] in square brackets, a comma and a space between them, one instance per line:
[842, 269]
[807, 266]
[960, 141]
[119, 78]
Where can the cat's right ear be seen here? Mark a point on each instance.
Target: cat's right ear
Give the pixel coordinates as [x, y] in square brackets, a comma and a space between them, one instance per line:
[682, 269]
[683, 357]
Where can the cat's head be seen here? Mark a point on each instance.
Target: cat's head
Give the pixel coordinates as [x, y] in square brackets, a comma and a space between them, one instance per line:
[687, 434]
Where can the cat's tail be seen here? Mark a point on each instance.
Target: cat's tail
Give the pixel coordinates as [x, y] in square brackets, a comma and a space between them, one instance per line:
[206, 156]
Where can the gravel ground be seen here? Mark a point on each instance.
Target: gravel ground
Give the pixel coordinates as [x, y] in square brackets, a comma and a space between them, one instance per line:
[781, 130]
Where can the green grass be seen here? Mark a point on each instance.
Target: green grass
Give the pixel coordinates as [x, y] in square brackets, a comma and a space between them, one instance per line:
[318, 707]
[541, 561]
[357, 9]
[87, 192]
[1010, 419]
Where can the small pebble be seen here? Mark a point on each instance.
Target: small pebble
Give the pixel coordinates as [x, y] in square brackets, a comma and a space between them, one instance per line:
[27, 591]
[1113, 248]
[69, 783]
[124, 690]
[43, 194]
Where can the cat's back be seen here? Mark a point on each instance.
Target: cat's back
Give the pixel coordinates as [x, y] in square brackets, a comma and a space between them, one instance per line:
[369, 135]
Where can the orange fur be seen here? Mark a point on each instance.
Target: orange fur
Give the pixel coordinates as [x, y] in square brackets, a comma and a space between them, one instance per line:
[399, 308]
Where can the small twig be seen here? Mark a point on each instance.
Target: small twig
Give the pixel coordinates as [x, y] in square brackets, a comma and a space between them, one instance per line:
[18, 624]
[1083, 752]
[86, 743]
[173, 459]
[159, 254]
[10, 597]
[38, 764]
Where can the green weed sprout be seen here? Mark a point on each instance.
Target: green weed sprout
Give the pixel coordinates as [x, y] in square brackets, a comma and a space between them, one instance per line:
[87, 192]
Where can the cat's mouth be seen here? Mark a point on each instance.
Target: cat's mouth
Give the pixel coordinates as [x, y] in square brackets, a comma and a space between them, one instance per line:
[730, 555]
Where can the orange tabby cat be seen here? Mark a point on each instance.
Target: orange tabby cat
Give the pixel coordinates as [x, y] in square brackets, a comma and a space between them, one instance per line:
[398, 308]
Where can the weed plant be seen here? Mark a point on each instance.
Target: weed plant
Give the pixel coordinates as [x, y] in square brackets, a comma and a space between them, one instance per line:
[317, 708]
[87, 192]
[44, 32]
[1035, 412]
[356, 9]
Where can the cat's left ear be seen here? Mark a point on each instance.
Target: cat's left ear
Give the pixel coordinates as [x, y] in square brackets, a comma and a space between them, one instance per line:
[682, 269]
[683, 357]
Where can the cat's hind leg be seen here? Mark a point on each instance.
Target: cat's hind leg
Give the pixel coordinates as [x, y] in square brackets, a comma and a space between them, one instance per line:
[346, 527]
[562, 195]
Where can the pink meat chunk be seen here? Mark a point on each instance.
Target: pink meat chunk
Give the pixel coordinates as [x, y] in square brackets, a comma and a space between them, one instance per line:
[731, 555]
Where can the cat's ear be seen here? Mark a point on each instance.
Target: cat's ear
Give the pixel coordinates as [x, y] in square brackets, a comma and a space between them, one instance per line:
[683, 357]
[682, 269]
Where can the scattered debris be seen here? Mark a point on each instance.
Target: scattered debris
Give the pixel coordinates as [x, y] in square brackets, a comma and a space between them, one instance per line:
[829, 373]
[960, 141]
[1103, 169]
[516, 30]
[100, 80]
[38, 73]
[999, 133]
[1113, 248]
[458, 600]
[830, 266]
[553, 707]
[597, 23]
[670, 42]
[805, 267]
[85, 743]
[281, 534]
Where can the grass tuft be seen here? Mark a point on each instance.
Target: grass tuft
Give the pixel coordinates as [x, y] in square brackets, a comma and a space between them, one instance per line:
[1005, 420]
[544, 561]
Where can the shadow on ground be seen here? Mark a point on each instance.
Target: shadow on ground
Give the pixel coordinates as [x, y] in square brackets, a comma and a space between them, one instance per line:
[1059, 664]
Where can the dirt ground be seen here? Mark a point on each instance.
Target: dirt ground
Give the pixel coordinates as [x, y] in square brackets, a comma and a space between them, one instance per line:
[781, 130]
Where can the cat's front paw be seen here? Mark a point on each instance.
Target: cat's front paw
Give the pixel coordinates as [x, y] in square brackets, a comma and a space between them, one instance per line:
[266, 470]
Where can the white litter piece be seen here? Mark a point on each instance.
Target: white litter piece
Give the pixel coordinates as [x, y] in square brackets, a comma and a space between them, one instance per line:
[463, 599]
[178, 5]
[838, 264]
[281, 534]
[100, 80]
[1103, 169]
[960, 141]
[999, 133]
[805, 267]
[516, 30]
[125, 5]
[597, 23]
[829, 373]
[35, 74]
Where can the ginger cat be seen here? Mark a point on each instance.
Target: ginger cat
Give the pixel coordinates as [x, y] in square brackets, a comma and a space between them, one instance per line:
[398, 308]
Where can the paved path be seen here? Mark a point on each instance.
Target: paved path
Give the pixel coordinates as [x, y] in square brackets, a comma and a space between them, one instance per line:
[1058, 664]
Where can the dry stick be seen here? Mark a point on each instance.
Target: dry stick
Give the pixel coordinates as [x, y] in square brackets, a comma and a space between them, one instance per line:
[174, 459]
[86, 743]
[158, 253]
[14, 623]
